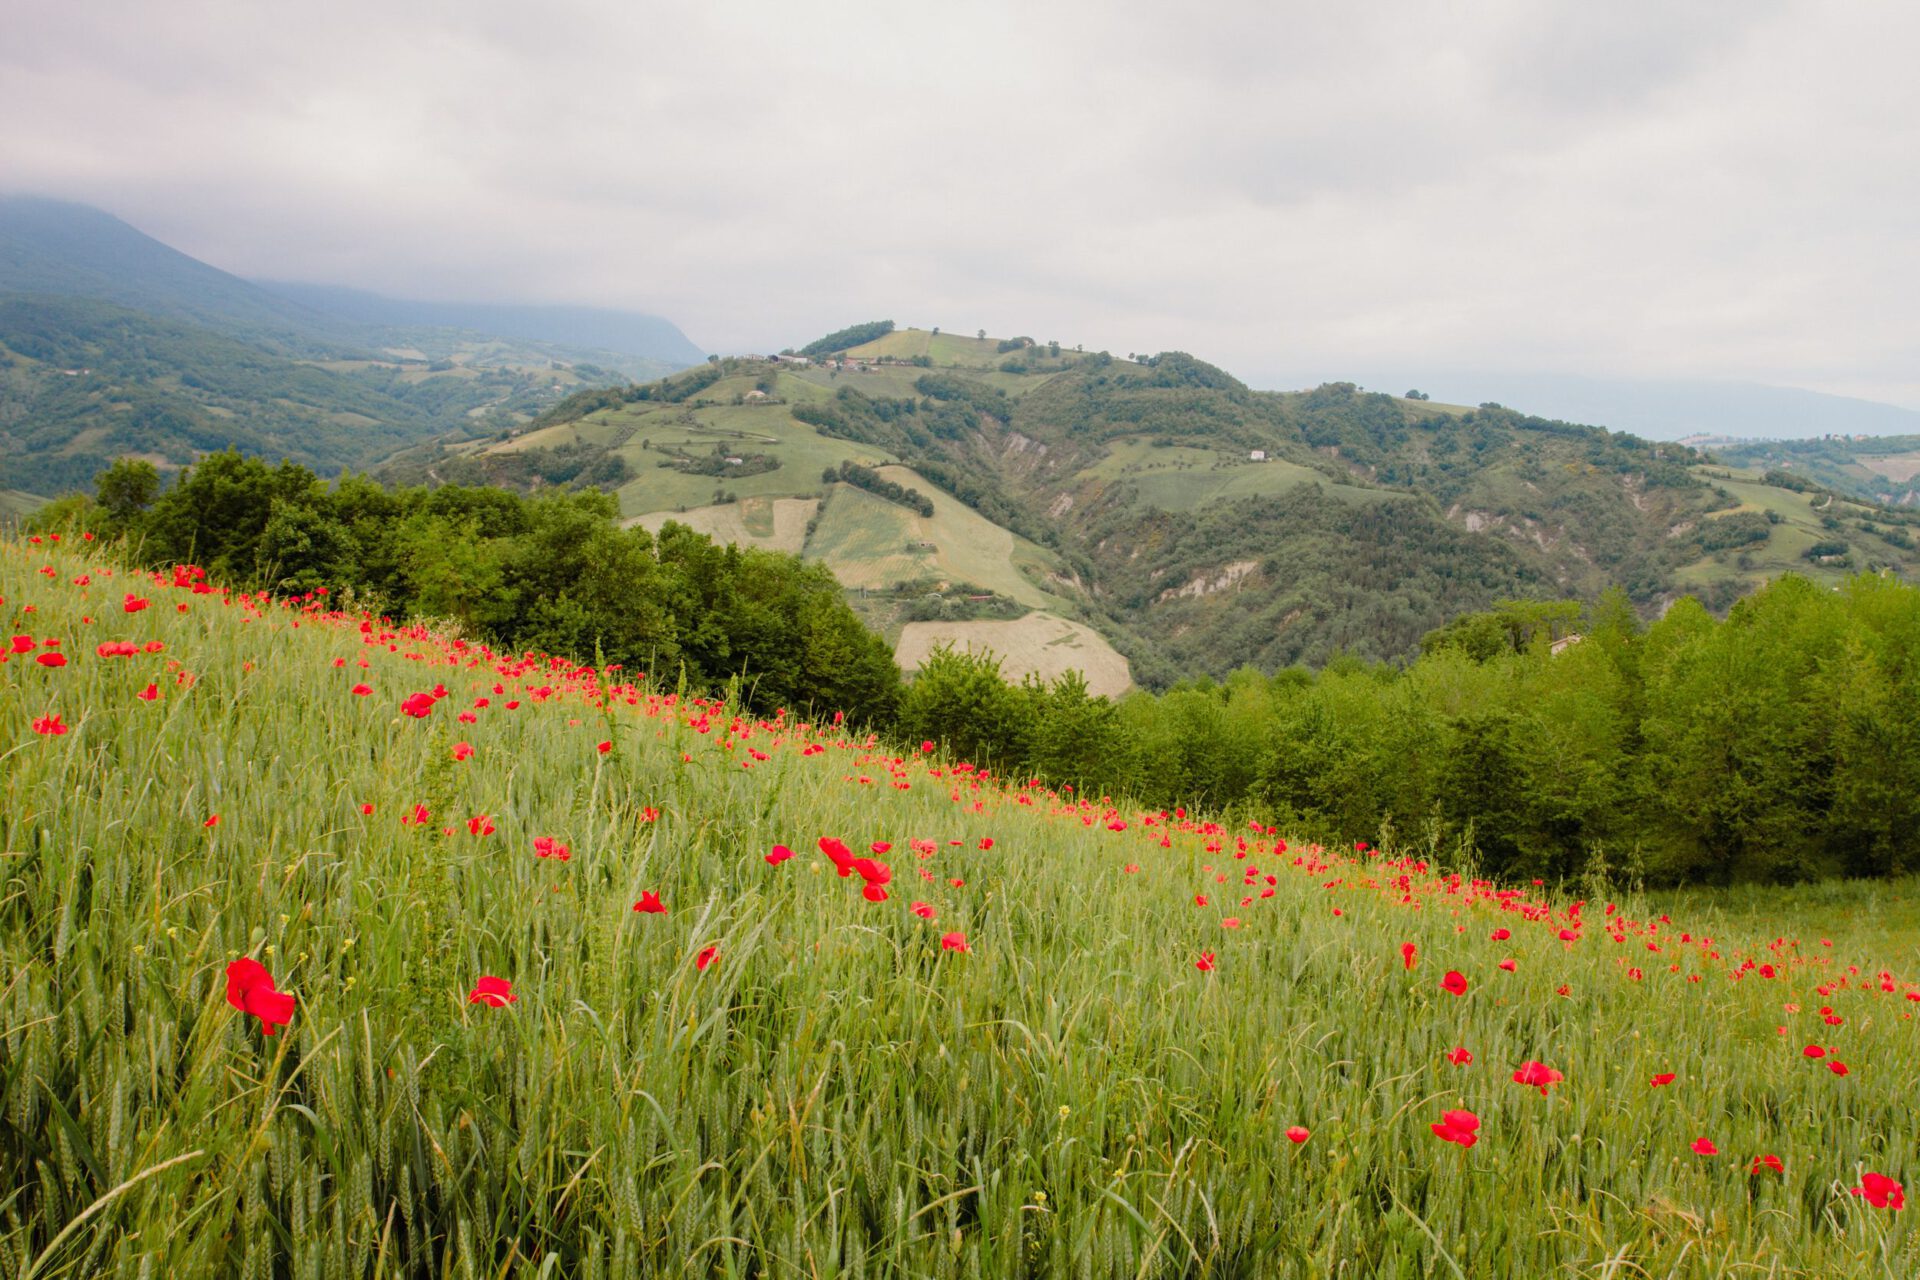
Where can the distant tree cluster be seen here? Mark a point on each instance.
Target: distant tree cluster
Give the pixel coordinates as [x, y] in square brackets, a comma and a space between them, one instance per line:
[851, 336]
[873, 482]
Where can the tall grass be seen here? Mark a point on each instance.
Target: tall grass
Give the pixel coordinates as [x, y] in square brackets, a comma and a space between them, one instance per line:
[836, 1094]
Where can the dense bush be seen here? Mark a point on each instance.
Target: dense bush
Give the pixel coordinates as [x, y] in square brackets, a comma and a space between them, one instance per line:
[554, 573]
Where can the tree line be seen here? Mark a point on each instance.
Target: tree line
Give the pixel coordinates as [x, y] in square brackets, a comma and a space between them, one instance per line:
[1780, 744]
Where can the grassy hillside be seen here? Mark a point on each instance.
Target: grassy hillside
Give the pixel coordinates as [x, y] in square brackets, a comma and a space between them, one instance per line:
[1049, 1037]
[671, 452]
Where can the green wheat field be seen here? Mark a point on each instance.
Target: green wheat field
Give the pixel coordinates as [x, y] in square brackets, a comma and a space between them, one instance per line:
[1008, 1031]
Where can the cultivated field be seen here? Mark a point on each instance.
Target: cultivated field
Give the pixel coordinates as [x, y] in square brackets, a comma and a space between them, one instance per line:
[772, 524]
[870, 542]
[1040, 644]
[333, 948]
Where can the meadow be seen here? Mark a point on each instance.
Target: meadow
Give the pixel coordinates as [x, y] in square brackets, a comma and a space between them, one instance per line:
[331, 947]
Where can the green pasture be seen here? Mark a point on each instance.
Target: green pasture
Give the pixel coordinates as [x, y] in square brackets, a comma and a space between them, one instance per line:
[1177, 478]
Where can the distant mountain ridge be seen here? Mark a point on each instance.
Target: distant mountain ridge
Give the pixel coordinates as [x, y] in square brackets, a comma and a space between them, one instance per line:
[1658, 408]
[626, 333]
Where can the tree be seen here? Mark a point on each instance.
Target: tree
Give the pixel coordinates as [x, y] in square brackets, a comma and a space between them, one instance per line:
[959, 699]
[125, 490]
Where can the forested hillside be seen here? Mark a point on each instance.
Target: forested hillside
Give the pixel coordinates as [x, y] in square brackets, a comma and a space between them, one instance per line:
[85, 382]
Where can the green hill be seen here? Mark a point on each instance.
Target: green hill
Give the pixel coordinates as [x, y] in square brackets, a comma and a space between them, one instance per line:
[1196, 523]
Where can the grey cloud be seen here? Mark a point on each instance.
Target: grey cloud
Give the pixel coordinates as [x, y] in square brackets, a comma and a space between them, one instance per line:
[1712, 189]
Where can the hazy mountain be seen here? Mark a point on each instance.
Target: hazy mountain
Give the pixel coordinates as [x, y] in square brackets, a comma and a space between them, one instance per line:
[74, 250]
[1657, 409]
[589, 329]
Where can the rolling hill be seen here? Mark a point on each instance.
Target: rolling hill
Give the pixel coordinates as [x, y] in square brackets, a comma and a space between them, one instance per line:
[1194, 523]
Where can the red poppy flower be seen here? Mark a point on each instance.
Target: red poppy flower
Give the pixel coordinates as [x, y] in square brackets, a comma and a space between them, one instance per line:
[1455, 983]
[841, 856]
[24, 644]
[986, 842]
[1881, 1192]
[1661, 1081]
[1814, 1051]
[133, 603]
[1407, 953]
[921, 909]
[1297, 1135]
[250, 989]
[603, 747]
[926, 748]
[1705, 1147]
[1458, 1127]
[149, 694]
[462, 750]
[480, 825]
[417, 705]
[1459, 1057]
[213, 820]
[366, 810]
[496, 992]
[1205, 963]
[1767, 1162]
[650, 904]
[49, 725]
[51, 659]
[779, 855]
[872, 891]
[1838, 1068]
[548, 847]
[954, 942]
[1537, 1074]
[706, 958]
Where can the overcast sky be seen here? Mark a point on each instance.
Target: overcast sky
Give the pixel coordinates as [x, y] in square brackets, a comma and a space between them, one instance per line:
[1295, 191]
